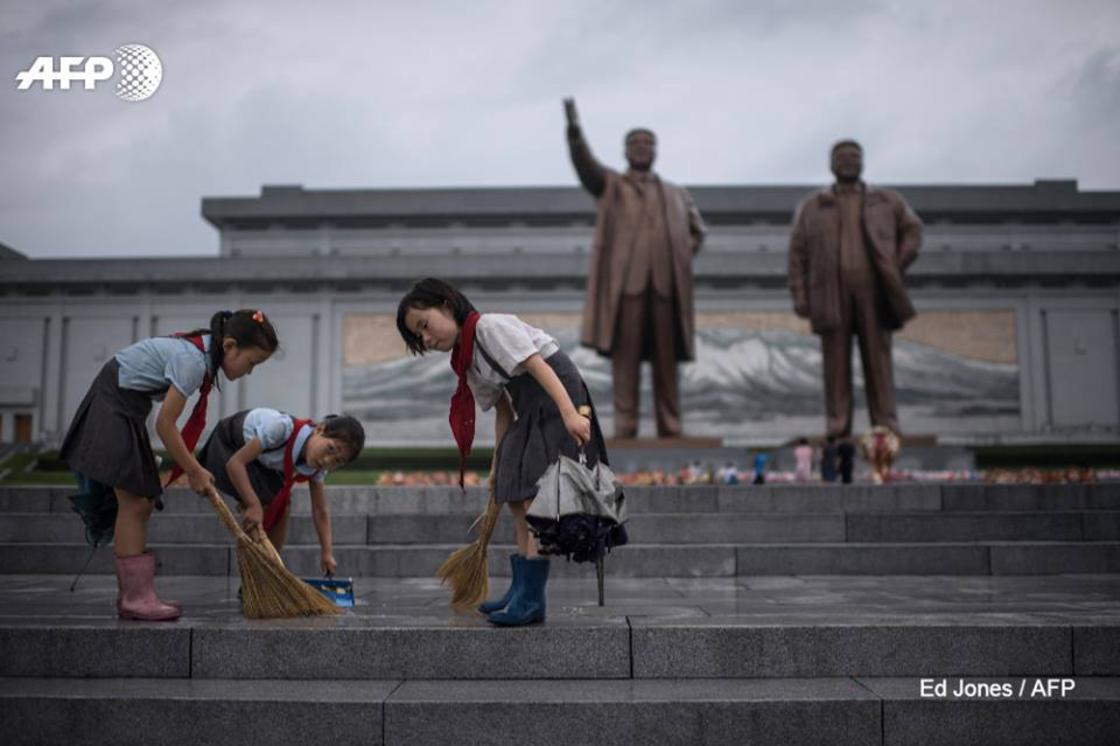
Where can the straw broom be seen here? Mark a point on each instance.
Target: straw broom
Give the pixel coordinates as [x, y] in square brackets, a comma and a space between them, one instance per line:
[268, 590]
[466, 571]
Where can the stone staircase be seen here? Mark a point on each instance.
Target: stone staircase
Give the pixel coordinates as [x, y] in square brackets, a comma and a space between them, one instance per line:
[739, 615]
[676, 531]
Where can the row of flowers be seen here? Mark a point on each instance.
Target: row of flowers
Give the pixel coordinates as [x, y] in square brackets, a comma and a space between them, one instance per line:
[727, 475]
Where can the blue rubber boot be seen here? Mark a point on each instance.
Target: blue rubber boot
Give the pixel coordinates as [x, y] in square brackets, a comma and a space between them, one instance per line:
[526, 606]
[498, 604]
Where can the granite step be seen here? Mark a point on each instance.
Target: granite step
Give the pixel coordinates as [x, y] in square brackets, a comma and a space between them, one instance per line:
[1089, 714]
[653, 528]
[186, 711]
[872, 711]
[635, 560]
[377, 500]
[591, 644]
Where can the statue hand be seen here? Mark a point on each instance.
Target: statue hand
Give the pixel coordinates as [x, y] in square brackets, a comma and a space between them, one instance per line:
[570, 112]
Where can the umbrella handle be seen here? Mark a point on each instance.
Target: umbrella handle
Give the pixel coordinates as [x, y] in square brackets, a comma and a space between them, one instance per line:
[584, 411]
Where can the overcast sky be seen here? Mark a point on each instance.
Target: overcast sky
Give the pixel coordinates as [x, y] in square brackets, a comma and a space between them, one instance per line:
[348, 94]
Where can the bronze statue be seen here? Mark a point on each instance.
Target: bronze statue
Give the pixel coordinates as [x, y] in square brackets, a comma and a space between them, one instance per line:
[639, 290]
[848, 250]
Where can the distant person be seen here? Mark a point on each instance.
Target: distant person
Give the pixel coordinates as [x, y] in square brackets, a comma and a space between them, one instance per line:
[829, 456]
[803, 454]
[760, 459]
[847, 453]
[729, 474]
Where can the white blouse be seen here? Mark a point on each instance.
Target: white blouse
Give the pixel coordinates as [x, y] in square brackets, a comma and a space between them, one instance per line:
[510, 342]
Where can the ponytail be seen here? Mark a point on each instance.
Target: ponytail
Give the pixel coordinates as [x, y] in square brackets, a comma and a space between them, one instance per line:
[247, 327]
[346, 430]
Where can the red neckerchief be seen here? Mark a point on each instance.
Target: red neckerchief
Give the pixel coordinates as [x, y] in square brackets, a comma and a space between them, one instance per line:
[192, 431]
[280, 501]
[461, 417]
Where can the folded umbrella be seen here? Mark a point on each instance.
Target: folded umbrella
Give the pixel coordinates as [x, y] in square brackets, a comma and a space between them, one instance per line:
[96, 505]
[578, 510]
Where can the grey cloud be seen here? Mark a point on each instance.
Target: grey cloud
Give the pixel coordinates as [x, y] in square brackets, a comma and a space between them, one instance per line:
[446, 94]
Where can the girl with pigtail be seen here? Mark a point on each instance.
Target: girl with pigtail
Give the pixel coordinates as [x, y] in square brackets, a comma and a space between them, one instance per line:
[108, 448]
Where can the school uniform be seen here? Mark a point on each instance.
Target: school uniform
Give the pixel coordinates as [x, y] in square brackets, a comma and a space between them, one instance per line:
[537, 437]
[108, 439]
[282, 439]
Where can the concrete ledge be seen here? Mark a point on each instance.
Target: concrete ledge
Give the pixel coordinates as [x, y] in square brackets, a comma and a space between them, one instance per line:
[819, 711]
[813, 498]
[652, 528]
[824, 498]
[64, 648]
[1031, 496]
[636, 560]
[1096, 649]
[867, 710]
[190, 712]
[862, 559]
[1045, 559]
[298, 649]
[171, 559]
[674, 499]
[1101, 525]
[732, 648]
[962, 526]
[169, 529]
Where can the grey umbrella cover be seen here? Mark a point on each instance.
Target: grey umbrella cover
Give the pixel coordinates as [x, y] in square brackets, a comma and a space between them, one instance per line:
[568, 487]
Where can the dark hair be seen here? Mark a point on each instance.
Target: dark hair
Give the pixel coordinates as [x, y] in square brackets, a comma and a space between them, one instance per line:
[639, 131]
[247, 328]
[430, 293]
[803, 441]
[845, 143]
[346, 430]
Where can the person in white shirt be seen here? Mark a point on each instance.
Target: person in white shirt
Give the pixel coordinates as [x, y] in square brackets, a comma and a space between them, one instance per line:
[537, 395]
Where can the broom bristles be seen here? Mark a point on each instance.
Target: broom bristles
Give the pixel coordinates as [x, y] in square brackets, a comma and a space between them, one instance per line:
[466, 571]
[268, 589]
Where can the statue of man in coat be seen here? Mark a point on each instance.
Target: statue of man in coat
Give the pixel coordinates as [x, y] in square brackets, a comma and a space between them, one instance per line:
[850, 245]
[639, 303]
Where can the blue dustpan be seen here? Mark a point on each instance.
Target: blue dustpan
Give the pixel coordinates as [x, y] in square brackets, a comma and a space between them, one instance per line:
[340, 591]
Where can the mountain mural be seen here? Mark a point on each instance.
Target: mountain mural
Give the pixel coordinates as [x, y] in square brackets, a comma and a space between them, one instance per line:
[746, 385]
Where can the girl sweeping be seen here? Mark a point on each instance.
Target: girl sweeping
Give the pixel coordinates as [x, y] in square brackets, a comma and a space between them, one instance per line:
[108, 447]
[535, 391]
[260, 454]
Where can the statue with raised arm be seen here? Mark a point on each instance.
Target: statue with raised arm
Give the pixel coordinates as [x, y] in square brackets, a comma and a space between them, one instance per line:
[639, 303]
[848, 250]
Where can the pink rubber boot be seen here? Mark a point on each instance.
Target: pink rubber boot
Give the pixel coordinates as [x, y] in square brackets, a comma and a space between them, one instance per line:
[137, 597]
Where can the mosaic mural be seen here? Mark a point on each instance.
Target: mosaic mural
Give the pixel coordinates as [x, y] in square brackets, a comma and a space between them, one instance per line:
[757, 377]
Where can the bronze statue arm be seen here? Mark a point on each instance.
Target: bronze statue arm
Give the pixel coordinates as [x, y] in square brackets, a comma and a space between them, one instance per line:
[799, 264]
[696, 227]
[909, 234]
[592, 174]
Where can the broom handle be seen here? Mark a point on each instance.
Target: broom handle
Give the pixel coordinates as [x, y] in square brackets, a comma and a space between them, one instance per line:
[263, 540]
[223, 511]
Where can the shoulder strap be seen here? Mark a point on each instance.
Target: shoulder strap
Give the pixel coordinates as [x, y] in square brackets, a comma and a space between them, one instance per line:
[491, 361]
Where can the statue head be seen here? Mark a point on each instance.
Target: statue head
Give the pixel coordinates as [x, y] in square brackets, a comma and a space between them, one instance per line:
[641, 148]
[847, 161]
